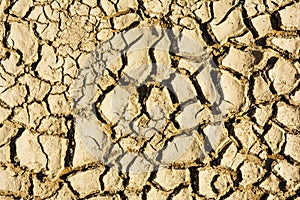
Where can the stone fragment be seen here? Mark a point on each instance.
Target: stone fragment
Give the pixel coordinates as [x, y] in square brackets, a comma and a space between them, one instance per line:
[134, 195]
[66, 50]
[3, 6]
[271, 183]
[273, 197]
[246, 194]
[7, 198]
[43, 188]
[187, 22]
[207, 85]
[184, 193]
[221, 8]
[4, 113]
[38, 15]
[289, 172]
[240, 61]
[78, 9]
[229, 156]
[297, 66]
[162, 57]
[121, 106]
[295, 98]
[70, 68]
[104, 35]
[233, 92]
[90, 3]
[11, 181]
[251, 173]
[284, 76]
[267, 55]
[275, 138]
[14, 96]
[177, 13]
[48, 31]
[170, 178]
[288, 115]
[205, 178]
[30, 153]
[190, 116]
[72, 32]
[49, 67]
[291, 45]
[185, 64]
[138, 64]
[112, 181]
[106, 80]
[7, 130]
[59, 88]
[262, 24]
[223, 182]
[31, 115]
[254, 7]
[130, 144]
[261, 91]
[190, 44]
[262, 114]
[55, 148]
[58, 104]
[108, 7]
[86, 182]
[11, 64]
[2, 29]
[125, 5]
[233, 25]
[5, 154]
[290, 17]
[204, 12]
[216, 134]
[246, 38]
[108, 197]
[6, 80]
[53, 126]
[22, 37]
[260, 150]
[51, 12]
[184, 148]
[156, 143]
[81, 155]
[63, 193]
[156, 7]
[137, 180]
[292, 146]
[155, 194]
[123, 21]
[244, 132]
[183, 88]
[274, 5]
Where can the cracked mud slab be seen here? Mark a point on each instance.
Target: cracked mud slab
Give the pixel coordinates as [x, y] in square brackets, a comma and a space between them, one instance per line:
[254, 48]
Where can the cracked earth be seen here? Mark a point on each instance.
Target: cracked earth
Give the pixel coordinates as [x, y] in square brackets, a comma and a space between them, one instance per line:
[254, 45]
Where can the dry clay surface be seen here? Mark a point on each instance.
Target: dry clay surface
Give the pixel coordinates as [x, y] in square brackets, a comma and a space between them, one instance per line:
[255, 47]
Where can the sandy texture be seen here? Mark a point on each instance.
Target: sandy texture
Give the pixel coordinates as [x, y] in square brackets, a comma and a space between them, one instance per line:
[45, 45]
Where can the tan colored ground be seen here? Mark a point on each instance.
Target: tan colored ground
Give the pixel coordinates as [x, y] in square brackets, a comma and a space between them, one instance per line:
[254, 153]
